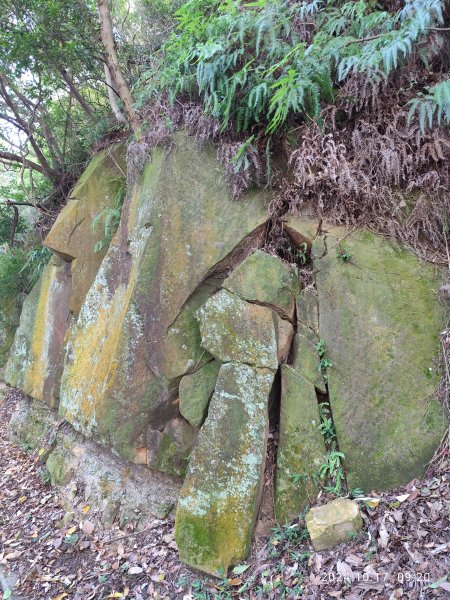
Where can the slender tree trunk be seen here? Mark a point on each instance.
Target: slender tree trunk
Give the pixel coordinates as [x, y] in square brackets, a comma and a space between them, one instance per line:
[112, 96]
[75, 93]
[112, 61]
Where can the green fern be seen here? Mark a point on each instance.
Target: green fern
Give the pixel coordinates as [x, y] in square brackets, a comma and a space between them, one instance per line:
[247, 64]
[432, 106]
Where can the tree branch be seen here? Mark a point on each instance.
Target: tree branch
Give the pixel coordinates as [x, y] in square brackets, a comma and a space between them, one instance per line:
[10, 157]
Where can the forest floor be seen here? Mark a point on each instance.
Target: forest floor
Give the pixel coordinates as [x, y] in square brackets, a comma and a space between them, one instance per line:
[48, 552]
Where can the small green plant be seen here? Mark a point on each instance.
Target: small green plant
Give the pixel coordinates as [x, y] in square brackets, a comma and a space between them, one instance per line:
[326, 425]
[300, 254]
[323, 363]
[343, 255]
[333, 470]
[356, 493]
[320, 347]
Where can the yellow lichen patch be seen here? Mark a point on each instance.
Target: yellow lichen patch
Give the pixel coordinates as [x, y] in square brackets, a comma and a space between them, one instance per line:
[93, 362]
[38, 361]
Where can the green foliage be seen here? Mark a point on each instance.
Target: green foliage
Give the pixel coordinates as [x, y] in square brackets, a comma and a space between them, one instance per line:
[432, 106]
[323, 363]
[333, 470]
[36, 260]
[19, 270]
[6, 224]
[252, 63]
[343, 255]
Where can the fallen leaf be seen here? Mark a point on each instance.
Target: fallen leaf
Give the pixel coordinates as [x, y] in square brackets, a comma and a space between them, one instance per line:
[239, 569]
[135, 570]
[60, 596]
[402, 498]
[88, 527]
[85, 509]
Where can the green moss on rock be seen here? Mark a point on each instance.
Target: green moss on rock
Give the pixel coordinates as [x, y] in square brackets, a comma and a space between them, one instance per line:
[301, 448]
[195, 393]
[380, 320]
[235, 330]
[219, 500]
[265, 279]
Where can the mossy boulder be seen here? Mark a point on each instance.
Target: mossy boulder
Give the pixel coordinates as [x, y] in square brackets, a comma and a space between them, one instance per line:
[135, 334]
[219, 500]
[195, 393]
[380, 321]
[73, 236]
[265, 279]
[301, 448]
[35, 359]
[238, 331]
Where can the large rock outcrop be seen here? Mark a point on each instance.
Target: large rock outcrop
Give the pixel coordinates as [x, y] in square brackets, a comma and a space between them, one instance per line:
[380, 319]
[74, 235]
[164, 352]
[179, 227]
[37, 355]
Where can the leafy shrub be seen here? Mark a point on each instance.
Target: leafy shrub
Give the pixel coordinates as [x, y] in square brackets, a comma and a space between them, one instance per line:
[265, 61]
[20, 270]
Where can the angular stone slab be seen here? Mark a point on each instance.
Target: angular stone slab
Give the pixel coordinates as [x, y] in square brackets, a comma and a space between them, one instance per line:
[333, 523]
[168, 450]
[135, 334]
[237, 331]
[301, 449]
[308, 309]
[265, 279]
[219, 500]
[380, 320]
[73, 236]
[306, 358]
[285, 334]
[35, 360]
[195, 393]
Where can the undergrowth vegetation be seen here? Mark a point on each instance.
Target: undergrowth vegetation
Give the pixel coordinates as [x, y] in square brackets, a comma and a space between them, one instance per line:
[355, 96]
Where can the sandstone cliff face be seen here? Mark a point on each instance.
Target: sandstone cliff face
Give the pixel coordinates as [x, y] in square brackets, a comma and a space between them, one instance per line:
[163, 351]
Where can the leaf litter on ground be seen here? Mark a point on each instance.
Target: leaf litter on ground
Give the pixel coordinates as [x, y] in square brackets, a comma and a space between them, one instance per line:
[55, 551]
